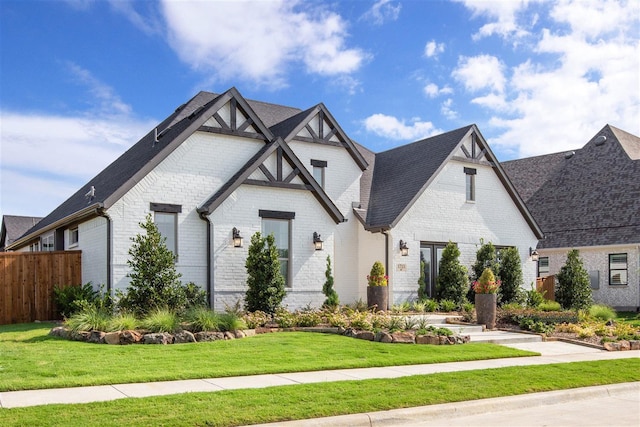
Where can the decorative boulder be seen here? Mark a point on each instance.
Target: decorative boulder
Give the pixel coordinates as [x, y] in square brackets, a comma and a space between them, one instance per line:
[365, 335]
[158, 338]
[383, 337]
[130, 337]
[208, 336]
[112, 338]
[96, 337]
[403, 337]
[183, 337]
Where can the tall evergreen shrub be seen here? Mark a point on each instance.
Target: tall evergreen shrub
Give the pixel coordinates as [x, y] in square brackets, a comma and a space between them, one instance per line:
[452, 282]
[327, 289]
[265, 282]
[573, 290]
[510, 274]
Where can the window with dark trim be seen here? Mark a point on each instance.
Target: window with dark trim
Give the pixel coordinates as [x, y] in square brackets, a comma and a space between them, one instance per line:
[618, 269]
[319, 167]
[430, 255]
[73, 236]
[543, 265]
[165, 216]
[47, 242]
[278, 223]
[470, 184]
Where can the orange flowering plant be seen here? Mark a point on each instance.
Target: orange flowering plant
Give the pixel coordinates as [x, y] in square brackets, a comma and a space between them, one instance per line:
[487, 283]
[376, 276]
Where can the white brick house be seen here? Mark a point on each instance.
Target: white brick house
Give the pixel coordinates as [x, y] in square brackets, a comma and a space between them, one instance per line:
[221, 162]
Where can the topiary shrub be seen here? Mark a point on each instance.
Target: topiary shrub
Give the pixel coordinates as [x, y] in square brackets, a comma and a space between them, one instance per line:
[265, 282]
[332, 300]
[376, 276]
[510, 275]
[573, 289]
[452, 282]
[422, 291]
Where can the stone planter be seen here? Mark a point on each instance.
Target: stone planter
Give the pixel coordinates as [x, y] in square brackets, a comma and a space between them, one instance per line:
[378, 297]
[486, 310]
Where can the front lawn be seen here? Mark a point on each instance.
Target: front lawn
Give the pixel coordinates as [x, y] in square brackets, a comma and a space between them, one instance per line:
[276, 404]
[30, 359]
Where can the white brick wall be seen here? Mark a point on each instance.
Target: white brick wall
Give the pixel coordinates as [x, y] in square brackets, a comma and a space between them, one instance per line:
[442, 214]
[597, 259]
[92, 241]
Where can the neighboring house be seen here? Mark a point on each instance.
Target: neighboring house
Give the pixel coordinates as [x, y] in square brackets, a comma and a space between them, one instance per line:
[589, 199]
[15, 226]
[221, 163]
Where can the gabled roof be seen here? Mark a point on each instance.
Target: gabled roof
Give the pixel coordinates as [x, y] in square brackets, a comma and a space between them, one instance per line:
[121, 175]
[402, 174]
[242, 176]
[588, 198]
[290, 128]
[14, 226]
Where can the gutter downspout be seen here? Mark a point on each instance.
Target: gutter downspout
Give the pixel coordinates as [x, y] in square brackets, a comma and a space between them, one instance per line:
[103, 213]
[205, 218]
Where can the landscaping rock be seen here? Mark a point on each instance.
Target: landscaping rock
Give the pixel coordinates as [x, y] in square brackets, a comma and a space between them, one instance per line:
[249, 332]
[229, 336]
[112, 338]
[59, 331]
[403, 337]
[79, 335]
[365, 335]
[158, 338]
[625, 346]
[238, 334]
[612, 346]
[130, 337]
[208, 336]
[183, 337]
[424, 339]
[96, 337]
[383, 337]
[635, 344]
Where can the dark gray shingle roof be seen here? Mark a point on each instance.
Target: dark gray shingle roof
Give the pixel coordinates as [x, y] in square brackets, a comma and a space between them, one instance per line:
[14, 226]
[401, 173]
[589, 199]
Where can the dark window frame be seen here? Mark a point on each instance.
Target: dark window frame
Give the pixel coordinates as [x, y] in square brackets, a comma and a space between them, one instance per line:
[267, 215]
[320, 165]
[470, 184]
[626, 269]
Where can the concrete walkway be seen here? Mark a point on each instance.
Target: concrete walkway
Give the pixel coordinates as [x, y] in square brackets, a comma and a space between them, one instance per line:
[551, 352]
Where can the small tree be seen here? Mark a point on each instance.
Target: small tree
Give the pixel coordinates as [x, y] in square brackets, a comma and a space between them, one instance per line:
[265, 281]
[573, 290]
[452, 282]
[486, 257]
[511, 276]
[154, 279]
[327, 289]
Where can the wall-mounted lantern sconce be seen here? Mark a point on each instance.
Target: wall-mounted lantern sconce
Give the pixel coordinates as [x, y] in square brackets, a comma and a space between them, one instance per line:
[534, 254]
[237, 238]
[404, 249]
[317, 241]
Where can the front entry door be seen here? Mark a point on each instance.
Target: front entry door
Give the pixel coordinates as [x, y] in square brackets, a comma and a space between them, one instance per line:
[430, 255]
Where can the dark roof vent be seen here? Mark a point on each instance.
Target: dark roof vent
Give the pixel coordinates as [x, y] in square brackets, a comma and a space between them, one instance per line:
[569, 154]
[600, 140]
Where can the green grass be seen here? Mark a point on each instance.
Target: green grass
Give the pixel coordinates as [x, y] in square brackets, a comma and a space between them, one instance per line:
[630, 317]
[277, 404]
[30, 359]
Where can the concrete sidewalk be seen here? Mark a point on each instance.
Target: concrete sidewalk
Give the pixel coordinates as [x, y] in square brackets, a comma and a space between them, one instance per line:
[551, 352]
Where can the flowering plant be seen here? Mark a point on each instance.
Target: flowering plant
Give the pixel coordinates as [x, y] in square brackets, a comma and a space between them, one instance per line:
[376, 276]
[487, 283]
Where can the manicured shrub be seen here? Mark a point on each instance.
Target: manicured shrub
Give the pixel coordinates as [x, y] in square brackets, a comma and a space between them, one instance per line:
[486, 257]
[510, 274]
[422, 291]
[327, 288]
[452, 282]
[573, 290]
[376, 276]
[68, 299]
[602, 312]
[264, 280]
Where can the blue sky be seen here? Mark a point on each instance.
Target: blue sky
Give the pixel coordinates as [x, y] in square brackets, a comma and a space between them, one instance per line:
[83, 80]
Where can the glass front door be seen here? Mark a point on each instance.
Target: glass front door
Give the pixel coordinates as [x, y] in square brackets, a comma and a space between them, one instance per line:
[430, 255]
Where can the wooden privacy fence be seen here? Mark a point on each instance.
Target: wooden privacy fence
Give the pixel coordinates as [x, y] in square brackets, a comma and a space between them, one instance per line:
[548, 286]
[27, 280]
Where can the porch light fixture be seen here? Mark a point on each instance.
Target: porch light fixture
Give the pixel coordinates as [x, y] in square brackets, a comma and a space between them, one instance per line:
[317, 241]
[237, 238]
[534, 254]
[404, 249]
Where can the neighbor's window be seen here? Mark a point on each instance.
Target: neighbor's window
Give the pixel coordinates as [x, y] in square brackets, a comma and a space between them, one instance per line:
[470, 184]
[73, 236]
[34, 247]
[543, 265]
[47, 243]
[319, 167]
[279, 224]
[618, 269]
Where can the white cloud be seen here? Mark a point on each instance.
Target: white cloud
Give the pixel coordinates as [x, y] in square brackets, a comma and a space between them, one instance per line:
[432, 49]
[147, 22]
[480, 72]
[447, 110]
[505, 15]
[260, 41]
[382, 11]
[393, 128]
[581, 73]
[432, 90]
